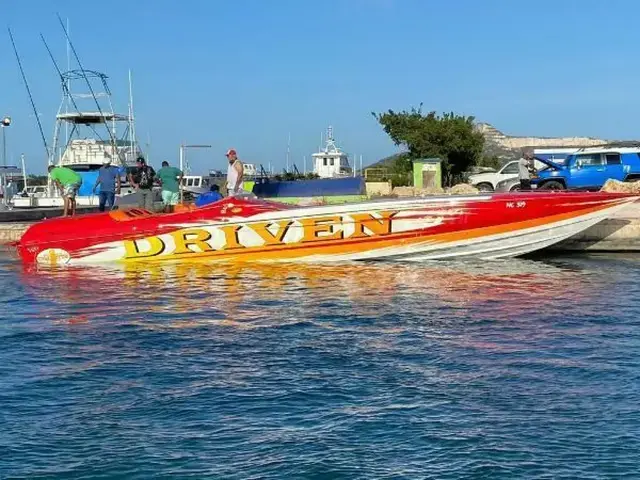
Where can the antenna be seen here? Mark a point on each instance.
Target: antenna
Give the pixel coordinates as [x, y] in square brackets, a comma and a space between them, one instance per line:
[132, 128]
[26, 84]
[288, 151]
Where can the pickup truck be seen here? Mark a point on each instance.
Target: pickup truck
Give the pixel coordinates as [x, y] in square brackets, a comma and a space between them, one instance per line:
[589, 169]
[487, 182]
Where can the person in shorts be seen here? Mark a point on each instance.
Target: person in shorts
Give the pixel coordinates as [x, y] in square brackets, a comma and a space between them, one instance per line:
[171, 178]
[68, 182]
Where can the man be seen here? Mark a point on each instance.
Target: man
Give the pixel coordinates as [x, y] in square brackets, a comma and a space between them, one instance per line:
[109, 182]
[212, 196]
[142, 180]
[235, 174]
[68, 182]
[524, 165]
[171, 178]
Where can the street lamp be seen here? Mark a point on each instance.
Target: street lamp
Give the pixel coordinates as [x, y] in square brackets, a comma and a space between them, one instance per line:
[6, 121]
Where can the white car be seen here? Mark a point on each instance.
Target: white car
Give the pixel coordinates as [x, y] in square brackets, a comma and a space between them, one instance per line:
[487, 182]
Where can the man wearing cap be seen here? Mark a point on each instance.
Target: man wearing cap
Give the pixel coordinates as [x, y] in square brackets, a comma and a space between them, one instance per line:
[68, 181]
[142, 180]
[109, 182]
[235, 174]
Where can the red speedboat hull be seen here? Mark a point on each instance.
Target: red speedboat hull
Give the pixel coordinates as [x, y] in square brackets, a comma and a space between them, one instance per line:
[485, 226]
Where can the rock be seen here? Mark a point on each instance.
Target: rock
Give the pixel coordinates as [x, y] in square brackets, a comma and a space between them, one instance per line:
[463, 189]
[424, 192]
[616, 186]
[404, 191]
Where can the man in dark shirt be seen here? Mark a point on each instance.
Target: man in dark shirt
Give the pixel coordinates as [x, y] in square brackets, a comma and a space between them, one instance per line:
[142, 180]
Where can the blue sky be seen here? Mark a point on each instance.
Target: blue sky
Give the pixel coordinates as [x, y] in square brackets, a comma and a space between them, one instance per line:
[246, 73]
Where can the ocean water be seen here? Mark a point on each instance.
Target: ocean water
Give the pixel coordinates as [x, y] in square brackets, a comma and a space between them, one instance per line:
[515, 369]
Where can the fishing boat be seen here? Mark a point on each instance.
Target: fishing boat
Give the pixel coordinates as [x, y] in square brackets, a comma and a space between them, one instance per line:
[84, 138]
[486, 226]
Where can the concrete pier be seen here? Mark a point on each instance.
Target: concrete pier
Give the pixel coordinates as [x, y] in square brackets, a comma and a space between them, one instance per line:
[620, 233]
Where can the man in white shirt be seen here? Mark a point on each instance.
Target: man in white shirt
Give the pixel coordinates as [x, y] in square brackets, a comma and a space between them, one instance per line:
[524, 166]
[235, 174]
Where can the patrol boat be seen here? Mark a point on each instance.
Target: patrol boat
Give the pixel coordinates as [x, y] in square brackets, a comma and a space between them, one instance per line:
[485, 226]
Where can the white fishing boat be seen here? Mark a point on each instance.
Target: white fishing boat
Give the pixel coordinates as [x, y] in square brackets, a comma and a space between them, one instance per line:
[84, 138]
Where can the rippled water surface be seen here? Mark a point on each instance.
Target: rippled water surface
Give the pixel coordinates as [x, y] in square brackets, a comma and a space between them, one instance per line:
[514, 369]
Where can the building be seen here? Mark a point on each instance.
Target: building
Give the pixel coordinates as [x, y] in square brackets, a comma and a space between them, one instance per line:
[427, 173]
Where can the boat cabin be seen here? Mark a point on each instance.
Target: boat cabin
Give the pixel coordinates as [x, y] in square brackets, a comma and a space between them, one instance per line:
[331, 161]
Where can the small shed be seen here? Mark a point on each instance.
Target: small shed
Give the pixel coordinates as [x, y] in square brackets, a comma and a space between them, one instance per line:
[427, 173]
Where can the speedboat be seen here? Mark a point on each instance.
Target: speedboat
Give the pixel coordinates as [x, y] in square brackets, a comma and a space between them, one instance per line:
[485, 226]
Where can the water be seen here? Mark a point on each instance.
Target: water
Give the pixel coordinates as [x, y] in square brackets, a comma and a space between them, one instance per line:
[518, 369]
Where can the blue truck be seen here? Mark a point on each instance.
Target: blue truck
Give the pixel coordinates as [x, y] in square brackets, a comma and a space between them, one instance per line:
[589, 169]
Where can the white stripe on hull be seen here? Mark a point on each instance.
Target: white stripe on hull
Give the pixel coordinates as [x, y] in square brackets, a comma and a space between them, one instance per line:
[490, 247]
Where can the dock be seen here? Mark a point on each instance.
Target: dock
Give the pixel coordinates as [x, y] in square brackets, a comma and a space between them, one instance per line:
[620, 233]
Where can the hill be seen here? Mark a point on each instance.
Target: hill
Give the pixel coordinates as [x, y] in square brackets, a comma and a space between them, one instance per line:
[508, 147]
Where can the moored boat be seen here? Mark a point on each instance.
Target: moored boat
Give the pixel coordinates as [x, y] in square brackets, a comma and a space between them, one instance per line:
[484, 226]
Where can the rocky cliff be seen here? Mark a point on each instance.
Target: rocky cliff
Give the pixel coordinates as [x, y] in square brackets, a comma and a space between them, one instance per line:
[507, 146]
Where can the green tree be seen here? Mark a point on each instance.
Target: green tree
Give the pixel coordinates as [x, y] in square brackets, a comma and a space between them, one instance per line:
[449, 137]
[490, 162]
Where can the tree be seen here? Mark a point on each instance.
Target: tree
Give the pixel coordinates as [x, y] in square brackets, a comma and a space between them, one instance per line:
[449, 137]
[490, 162]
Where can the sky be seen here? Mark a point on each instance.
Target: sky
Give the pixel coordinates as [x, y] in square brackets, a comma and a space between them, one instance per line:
[248, 73]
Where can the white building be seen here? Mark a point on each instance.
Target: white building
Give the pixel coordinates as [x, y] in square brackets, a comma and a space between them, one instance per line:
[331, 161]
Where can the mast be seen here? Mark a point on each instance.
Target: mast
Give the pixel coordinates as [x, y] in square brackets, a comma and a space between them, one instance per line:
[288, 151]
[132, 128]
[66, 105]
[24, 172]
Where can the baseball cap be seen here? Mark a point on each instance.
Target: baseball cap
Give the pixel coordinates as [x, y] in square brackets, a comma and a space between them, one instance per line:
[231, 151]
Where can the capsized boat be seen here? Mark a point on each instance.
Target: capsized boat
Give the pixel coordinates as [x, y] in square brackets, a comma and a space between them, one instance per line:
[231, 230]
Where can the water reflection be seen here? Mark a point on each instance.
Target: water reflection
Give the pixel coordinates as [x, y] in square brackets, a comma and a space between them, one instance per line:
[234, 364]
[249, 294]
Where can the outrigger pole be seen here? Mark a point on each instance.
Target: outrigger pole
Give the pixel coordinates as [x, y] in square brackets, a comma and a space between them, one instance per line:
[26, 84]
[65, 89]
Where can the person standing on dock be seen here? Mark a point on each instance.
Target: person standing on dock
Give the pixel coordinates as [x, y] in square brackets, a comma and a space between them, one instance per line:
[235, 174]
[171, 178]
[68, 182]
[142, 180]
[524, 167]
[109, 182]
